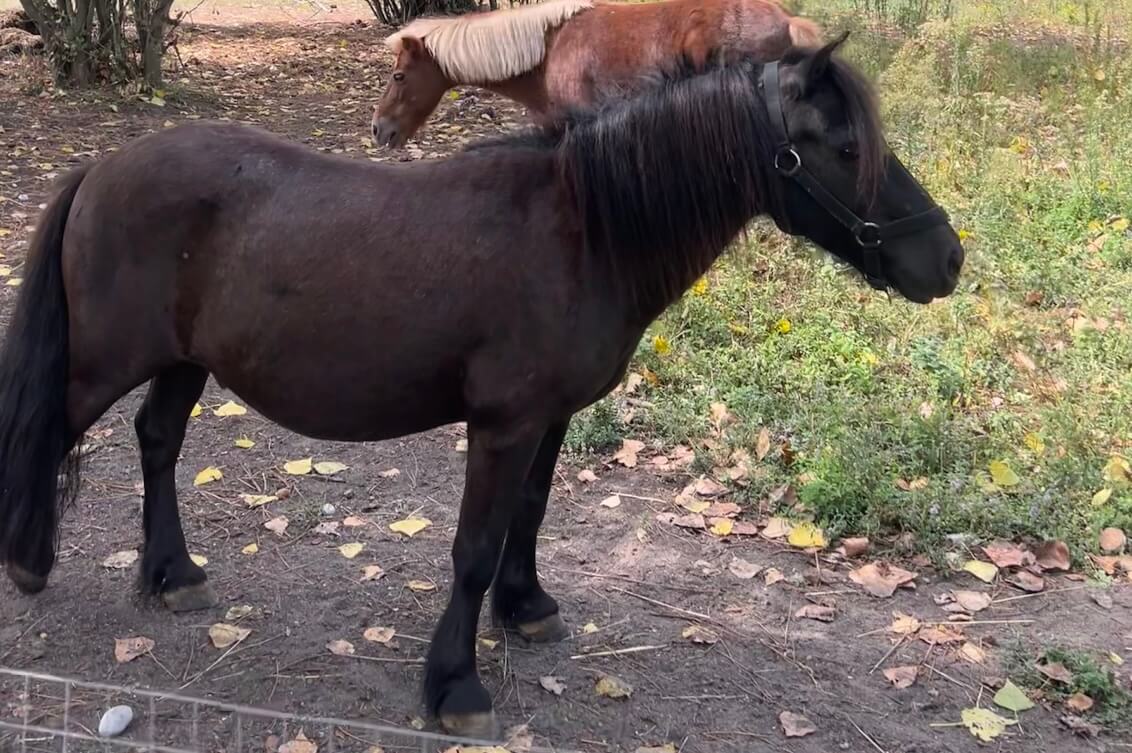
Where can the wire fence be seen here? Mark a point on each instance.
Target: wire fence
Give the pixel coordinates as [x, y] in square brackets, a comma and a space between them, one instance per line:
[41, 713]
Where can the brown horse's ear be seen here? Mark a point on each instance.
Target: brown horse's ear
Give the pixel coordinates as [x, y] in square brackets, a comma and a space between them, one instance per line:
[817, 65]
[412, 46]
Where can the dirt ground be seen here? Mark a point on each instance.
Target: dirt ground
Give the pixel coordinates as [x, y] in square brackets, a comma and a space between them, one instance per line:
[313, 75]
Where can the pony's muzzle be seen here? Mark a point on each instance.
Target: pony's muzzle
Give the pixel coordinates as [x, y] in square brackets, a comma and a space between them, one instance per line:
[385, 132]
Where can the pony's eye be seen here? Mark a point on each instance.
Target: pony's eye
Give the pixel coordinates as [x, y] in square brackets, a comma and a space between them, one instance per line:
[848, 153]
[398, 76]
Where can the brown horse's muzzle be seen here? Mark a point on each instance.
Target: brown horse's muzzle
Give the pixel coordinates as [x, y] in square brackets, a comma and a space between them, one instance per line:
[387, 133]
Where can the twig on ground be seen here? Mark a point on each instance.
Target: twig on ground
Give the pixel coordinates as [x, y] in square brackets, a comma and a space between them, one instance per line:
[618, 651]
[678, 610]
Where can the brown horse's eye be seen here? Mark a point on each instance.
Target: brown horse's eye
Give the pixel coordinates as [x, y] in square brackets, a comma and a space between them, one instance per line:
[849, 153]
[398, 76]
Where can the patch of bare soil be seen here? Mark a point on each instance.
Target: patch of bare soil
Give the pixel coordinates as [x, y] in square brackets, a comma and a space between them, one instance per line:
[714, 646]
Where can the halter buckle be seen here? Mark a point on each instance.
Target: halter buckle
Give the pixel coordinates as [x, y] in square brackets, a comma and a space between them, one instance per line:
[787, 161]
[868, 235]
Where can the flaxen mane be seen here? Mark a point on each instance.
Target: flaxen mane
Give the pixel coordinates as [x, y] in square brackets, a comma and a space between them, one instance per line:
[488, 47]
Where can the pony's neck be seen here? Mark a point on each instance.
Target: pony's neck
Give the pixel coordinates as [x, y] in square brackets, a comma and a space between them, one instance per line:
[528, 89]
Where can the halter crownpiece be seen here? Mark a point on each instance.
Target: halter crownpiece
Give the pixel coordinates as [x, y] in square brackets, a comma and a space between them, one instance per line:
[788, 163]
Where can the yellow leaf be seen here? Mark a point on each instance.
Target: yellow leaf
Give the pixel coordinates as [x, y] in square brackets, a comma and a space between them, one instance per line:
[5, 270]
[1035, 443]
[251, 548]
[244, 443]
[257, 500]
[1002, 475]
[410, 526]
[700, 286]
[722, 526]
[661, 345]
[613, 687]
[588, 628]
[693, 504]
[15, 282]
[198, 559]
[984, 723]
[196, 411]
[223, 635]
[207, 476]
[349, 551]
[329, 468]
[1116, 470]
[299, 467]
[984, 571]
[1101, 497]
[783, 326]
[230, 409]
[1116, 659]
[806, 535]
[421, 585]
[1120, 224]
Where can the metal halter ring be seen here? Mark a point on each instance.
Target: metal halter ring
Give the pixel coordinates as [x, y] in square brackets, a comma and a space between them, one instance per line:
[868, 235]
[792, 166]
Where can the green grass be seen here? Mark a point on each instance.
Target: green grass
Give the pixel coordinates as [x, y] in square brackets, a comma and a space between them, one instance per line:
[1026, 140]
[1091, 675]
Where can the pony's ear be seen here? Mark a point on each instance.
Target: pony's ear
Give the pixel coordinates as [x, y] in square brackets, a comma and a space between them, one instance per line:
[817, 65]
[411, 46]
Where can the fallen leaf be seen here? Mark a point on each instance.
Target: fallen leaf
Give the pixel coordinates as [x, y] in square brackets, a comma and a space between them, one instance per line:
[613, 687]
[972, 653]
[327, 528]
[1116, 659]
[239, 612]
[683, 521]
[196, 411]
[391, 473]
[773, 575]
[742, 569]
[1102, 599]
[776, 528]
[912, 485]
[984, 723]
[128, 649]
[1112, 540]
[257, 500]
[1101, 498]
[1002, 475]
[762, 444]
[972, 601]
[461, 445]
[939, 635]
[806, 536]
[410, 527]
[881, 579]
[721, 526]
[1079, 726]
[627, 455]
[251, 548]
[244, 443]
[720, 416]
[984, 571]
[588, 628]
[708, 487]
[372, 572]
[1057, 672]
[121, 560]
[552, 684]
[1053, 555]
[816, 612]
[421, 586]
[904, 624]
[223, 635]
[207, 476]
[795, 725]
[277, 525]
[198, 559]
[1117, 470]
[354, 521]
[744, 528]
[1011, 698]
[341, 648]
[611, 502]
[351, 550]
[902, 677]
[1004, 555]
[299, 467]
[299, 745]
[230, 409]
[632, 382]
[379, 634]
[586, 476]
[666, 748]
[329, 468]
[1027, 581]
[854, 547]
[1079, 702]
[700, 634]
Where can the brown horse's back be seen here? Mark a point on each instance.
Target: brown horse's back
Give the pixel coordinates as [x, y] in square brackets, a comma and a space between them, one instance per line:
[617, 43]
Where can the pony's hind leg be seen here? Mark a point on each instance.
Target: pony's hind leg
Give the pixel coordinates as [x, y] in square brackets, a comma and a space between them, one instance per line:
[160, 424]
[518, 600]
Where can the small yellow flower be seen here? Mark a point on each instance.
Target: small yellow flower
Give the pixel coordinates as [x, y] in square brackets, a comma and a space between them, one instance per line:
[1019, 145]
[700, 286]
[661, 345]
[964, 234]
[783, 325]
[868, 358]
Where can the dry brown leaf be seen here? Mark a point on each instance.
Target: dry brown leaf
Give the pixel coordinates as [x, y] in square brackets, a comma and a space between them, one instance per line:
[1053, 555]
[816, 612]
[666, 748]
[1056, 671]
[1112, 540]
[128, 649]
[299, 745]
[1027, 581]
[552, 684]
[611, 502]
[972, 653]
[700, 634]
[723, 510]
[762, 444]
[341, 648]
[277, 525]
[855, 547]
[902, 677]
[904, 624]
[627, 455]
[795, 725]
[1004, 555]
[372, 572]
[911, 485]
[940, 634]
[1079, 703]
[773, 575]
[327, 528]
[720, 416]
[742, 569]
[224, 636]
[744, 528]
[972, 601]
[776, 528]
[708, 487]
[881, 579]
[354, 521]
[586, 476]
[121, 560]
[694, 520]
[390, 473]
[682, 456]
[612, 687]
[383, 635]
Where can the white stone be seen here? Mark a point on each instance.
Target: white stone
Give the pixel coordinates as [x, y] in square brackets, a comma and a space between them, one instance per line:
[115, 721]
[328, 509]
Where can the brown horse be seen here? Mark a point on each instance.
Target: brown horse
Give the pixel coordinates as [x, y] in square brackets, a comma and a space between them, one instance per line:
[565, 53]
[352, 301]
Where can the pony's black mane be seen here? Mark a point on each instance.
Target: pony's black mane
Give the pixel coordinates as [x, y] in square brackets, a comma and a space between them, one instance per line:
[666, 178]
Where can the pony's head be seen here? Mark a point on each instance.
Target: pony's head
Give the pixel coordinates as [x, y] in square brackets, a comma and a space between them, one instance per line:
[841, 185]
[414, 91]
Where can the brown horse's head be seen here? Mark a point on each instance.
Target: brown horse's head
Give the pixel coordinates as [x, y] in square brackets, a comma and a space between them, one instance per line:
[414, 91]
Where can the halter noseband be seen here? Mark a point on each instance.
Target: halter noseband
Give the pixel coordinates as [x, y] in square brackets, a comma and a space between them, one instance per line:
[869, 235]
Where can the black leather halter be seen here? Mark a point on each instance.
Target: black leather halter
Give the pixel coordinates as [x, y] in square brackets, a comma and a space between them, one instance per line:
[869, 235]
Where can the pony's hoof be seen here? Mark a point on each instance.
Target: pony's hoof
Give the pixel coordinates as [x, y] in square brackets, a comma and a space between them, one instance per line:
[550, 629]
[27, 582]
[477, 725]
[190, 598]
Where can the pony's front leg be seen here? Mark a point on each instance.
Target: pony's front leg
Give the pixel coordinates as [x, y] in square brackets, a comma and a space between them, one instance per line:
[498, 462]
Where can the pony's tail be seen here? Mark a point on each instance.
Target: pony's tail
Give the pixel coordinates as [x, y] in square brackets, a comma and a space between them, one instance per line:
[34, 435]
[804, 32]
